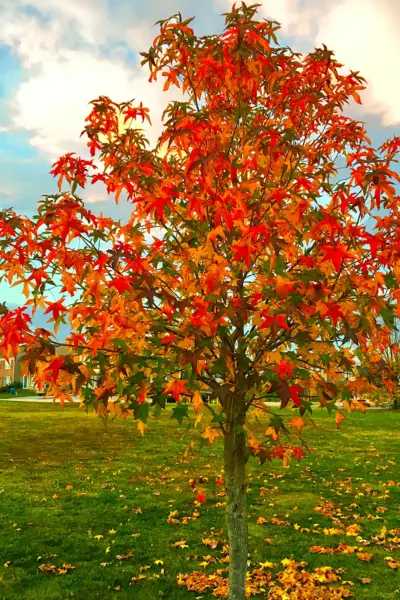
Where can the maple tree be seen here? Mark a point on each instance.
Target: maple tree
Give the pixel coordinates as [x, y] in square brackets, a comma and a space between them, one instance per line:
[245, 269]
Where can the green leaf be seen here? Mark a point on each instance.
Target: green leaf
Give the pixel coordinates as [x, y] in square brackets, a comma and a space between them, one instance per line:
[143, 412]
[240, 429]
[160, 399]
[156, 410]
[326, 359]
[270, 375]
[280, 266]
[330, 406]
[118, 343]
[100, 356]
[219, 367]
[302, 373]
[219, 418]
[136, 378]
[309, 275]
[306, 406]
[390, 280]
[120, 388]
[302, 338]
[276, 422]
[388, 316]
[179, 412]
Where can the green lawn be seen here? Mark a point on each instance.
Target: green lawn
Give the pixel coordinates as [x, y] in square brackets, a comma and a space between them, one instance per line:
[75, 492]
[20, 394]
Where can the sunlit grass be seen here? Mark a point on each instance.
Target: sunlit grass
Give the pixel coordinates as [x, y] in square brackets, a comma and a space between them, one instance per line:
[65, 479]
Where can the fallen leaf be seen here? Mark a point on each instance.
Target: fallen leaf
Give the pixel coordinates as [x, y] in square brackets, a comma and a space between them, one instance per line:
[124, 556]
[180, 544]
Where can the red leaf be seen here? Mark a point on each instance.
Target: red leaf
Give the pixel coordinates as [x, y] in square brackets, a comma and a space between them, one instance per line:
[336, 254]
[122, 284]
[294, 393]
[176, 388]
[298, 453]
[55, 366]
[243, 251]
[285, 367]
[55, 308]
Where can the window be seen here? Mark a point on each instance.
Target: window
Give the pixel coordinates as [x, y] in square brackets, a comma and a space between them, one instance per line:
[25, 382]
[6, 379]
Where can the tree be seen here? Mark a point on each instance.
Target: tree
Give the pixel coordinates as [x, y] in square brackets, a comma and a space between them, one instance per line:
[245, 268]
[386, 377]
[392, 359]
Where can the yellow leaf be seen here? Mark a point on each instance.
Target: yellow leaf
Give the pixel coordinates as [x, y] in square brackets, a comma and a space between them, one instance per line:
[180, 544]
[365, 556]
[141, 427]
[211, 433]
[214, 232]
[346, 406]
[271, 431]
[197, 402]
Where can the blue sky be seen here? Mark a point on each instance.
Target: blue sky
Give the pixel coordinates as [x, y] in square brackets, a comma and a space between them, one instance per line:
[57, 56]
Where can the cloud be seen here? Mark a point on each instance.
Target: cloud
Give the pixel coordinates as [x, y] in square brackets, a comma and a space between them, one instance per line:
[362, 33]
[95, 198]
[72, 53]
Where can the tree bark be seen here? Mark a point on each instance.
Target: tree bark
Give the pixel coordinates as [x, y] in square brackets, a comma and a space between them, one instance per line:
[236, 510]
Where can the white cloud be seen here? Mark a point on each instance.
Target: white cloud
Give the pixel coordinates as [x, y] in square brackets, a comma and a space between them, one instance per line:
[140, 38]
[64, 69]
[6, 192]
[362, 33]
[55, 102]
[94, 198]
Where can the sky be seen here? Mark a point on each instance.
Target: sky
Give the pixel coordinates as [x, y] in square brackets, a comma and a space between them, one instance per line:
[55, 57]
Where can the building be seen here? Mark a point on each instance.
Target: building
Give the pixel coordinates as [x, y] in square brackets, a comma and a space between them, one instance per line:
[7, 371]
[14, 372]
[11, 372]
[25, 380]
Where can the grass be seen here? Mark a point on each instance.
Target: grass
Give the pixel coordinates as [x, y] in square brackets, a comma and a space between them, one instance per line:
[20, 394]
[65, 479]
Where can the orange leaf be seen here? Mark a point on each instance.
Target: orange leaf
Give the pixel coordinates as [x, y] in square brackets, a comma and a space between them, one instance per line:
[339, 418]
[298, 423]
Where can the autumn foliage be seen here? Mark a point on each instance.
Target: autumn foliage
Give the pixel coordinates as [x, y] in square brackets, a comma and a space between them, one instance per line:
[245, 270]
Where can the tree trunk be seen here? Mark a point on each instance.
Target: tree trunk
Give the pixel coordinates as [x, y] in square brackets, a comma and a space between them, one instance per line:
[236, 510]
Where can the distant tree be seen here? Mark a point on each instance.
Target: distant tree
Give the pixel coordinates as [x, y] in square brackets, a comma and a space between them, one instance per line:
[387, 377]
